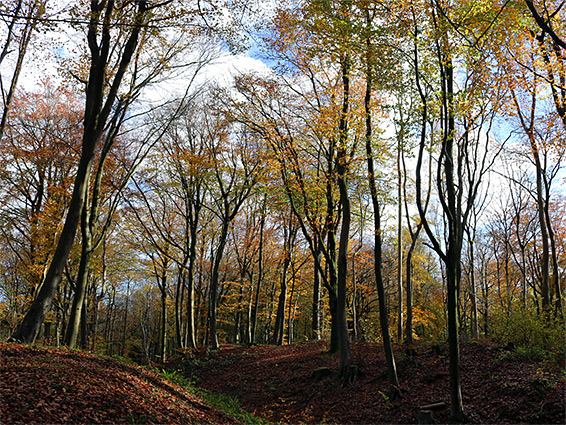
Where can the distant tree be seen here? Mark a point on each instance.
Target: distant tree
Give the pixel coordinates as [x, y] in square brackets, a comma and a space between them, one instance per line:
[290, 229]
[237, 164]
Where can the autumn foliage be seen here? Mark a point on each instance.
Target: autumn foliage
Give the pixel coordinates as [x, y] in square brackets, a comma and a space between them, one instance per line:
[389, 172]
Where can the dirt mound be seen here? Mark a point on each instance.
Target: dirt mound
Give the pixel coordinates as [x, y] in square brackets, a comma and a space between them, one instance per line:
[280, 384]
[43, 385]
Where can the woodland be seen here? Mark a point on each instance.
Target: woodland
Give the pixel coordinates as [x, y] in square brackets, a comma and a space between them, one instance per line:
[372, 190]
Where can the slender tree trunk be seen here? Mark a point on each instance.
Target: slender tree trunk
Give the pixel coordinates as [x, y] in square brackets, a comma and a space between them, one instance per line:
[485, 303]
[214, 285]
[554, 255]
[191, 323]
[238, 316]
[545, 258]
[163, 333]
[111, 322]
[475, 331]
[161, 270]
[409, 293]
[279, 329]
[84, 324]
[454, 250]
[249, 340]
[179, 298]
[399, 240]
[125, 334]
[259, 274]
[452, 282]
[354, 300]
[316, 301]
[383, 314]
[290, 313]
[342, 169]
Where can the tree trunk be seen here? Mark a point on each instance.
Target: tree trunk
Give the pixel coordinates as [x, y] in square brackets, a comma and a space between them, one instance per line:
[332, 292]
[342, 169]
[279, 329]
[179, 298]
[475, 331]
[409, 292]
[29, 329]
[214, 285]
[125, 334]
[354, 300]
[290, 317]
[248, 335]
[316, 300]
[259, 274]
[399, 240]
[452, 283]
[84, 324]
[341, 310]
[237, 320]
[191, 323]
[383, 314]
[82, 281]
[163, 333]
[452, 258]
[96, 115]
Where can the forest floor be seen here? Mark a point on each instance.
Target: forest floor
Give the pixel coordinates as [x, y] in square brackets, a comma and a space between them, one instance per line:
[56, 386]
[278, 384]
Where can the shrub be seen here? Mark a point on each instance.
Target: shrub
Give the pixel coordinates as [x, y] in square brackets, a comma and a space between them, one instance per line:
[539, 336]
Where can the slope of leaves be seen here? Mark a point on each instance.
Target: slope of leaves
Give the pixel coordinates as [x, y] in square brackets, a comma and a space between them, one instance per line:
[44, 385]
[278, 384]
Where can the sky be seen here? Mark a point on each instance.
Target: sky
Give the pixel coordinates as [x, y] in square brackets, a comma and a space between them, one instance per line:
[50, 49]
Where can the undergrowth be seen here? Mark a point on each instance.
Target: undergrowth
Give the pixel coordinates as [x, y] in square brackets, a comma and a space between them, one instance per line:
[226, 404]
[534, 336]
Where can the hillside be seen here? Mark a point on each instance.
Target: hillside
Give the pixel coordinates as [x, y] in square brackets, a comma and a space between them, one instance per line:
[277, 384]
[44, 385]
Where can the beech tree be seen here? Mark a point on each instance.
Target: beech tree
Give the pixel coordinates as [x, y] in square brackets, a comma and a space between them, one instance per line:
[37, 157]
[304, 162]
[463, 159]
[155, 127]
[237, 167]
[186, 154]
[107, 69]
[370, 71]
[328, 132]
[22, 18]
[545, 152]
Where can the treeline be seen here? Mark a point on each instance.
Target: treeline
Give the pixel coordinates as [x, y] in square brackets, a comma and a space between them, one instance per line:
[396, 174]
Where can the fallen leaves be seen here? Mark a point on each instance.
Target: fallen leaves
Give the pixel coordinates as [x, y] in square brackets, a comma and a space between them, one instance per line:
[46, 385]
[277, 384]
